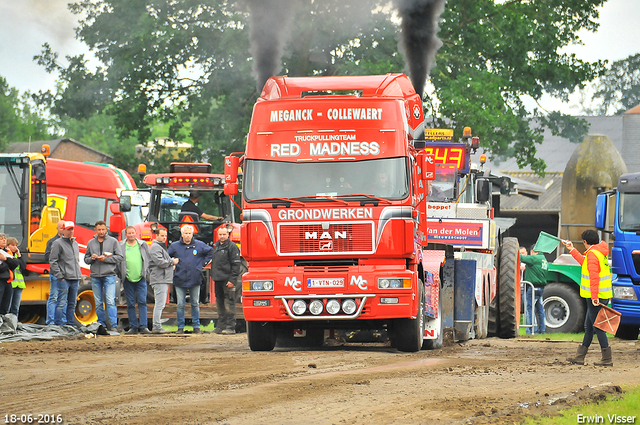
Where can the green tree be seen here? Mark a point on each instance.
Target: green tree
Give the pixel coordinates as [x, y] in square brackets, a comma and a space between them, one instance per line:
[19, 119]
[619, 89]
[188, 63]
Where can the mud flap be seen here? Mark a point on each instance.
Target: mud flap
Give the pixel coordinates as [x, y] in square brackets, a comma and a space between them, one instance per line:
[464, 299]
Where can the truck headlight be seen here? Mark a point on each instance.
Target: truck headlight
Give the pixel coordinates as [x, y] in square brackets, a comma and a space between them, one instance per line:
[393, 283]
[299, 307]
[333, 306]
[349, 306]
[261, 285]
[624, 293]
[316, 307]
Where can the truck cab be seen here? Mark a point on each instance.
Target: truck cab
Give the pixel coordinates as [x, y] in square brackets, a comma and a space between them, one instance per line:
[625, 254]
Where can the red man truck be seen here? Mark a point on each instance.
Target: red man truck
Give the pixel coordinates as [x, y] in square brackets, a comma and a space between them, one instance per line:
[334, 194]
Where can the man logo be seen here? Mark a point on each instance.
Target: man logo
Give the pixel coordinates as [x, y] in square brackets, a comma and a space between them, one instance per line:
[326, 246]
[359, 282]
[294, 283]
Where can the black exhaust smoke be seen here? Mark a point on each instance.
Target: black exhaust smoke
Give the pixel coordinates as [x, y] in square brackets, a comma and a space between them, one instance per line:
[419, 40]
[269, 32]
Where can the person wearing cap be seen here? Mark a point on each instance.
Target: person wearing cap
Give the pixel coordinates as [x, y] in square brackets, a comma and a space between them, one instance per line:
[103, 256]
[52, 301]
[65, 265]
[190, 206]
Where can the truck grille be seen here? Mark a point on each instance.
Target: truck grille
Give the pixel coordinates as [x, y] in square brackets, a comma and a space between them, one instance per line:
[338, 238]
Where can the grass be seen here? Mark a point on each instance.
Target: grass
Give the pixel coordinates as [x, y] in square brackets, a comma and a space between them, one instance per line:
[553, 336]
[625, 405]
[208, 328]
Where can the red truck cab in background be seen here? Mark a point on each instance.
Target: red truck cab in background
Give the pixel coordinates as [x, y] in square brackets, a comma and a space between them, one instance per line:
[334, 211]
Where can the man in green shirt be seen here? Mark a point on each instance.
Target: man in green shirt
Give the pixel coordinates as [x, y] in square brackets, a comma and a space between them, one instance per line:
[133, 272]
[536, 273]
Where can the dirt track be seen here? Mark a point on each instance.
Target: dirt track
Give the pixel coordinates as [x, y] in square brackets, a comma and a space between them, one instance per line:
[212, 378]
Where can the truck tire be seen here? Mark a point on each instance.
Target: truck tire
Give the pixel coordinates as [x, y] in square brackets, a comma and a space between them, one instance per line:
[261, 335]
[509, 289]
[410, 332]
[564, 309]
[85, 305]
[629, 332]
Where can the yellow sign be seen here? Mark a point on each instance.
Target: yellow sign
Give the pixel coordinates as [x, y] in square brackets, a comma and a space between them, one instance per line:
[444, 134]
[57, 201]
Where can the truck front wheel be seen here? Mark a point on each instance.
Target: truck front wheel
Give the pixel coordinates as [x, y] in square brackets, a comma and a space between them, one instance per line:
[564, 309]
[410, 332]
[628, 332]
[261, 335]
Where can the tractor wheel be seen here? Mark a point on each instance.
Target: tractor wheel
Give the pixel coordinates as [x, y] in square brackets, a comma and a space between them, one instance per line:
[261, 335]
[410, 332]
[509, 289]
[564, 309]
[85, 305]
[36, 314]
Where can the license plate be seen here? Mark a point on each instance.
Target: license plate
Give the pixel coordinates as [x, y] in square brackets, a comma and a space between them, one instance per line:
[326, 283]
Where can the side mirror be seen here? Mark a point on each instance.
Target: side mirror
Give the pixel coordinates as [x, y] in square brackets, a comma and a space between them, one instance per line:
[116, 222]
[231, 164]
[601, 211]
[231, 189]
[505, 186]
[483, 190]
[125, 203]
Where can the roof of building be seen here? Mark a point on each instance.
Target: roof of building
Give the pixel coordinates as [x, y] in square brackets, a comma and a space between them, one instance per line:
[53, 144]
[549, 200]
[556, 151]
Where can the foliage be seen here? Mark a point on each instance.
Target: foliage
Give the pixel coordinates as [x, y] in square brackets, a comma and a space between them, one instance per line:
[20, 121]
[619, 88]
[188, 63]
[494, 53]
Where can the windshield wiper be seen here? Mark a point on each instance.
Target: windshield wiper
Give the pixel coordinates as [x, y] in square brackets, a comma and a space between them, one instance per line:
[328, 198]
[372, 197]
[281, 201]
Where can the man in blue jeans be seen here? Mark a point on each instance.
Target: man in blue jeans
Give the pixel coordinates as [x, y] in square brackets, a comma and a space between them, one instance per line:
[133, 272]
[65, 265]
[536, 273]
[52, 301]
[103, 256]
[192, 255]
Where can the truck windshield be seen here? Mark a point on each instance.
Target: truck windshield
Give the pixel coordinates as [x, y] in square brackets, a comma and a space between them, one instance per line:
[629, 212]
[12, 177]
[385, 178]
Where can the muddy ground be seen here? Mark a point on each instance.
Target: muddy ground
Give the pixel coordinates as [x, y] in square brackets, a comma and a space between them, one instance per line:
[210, 378]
